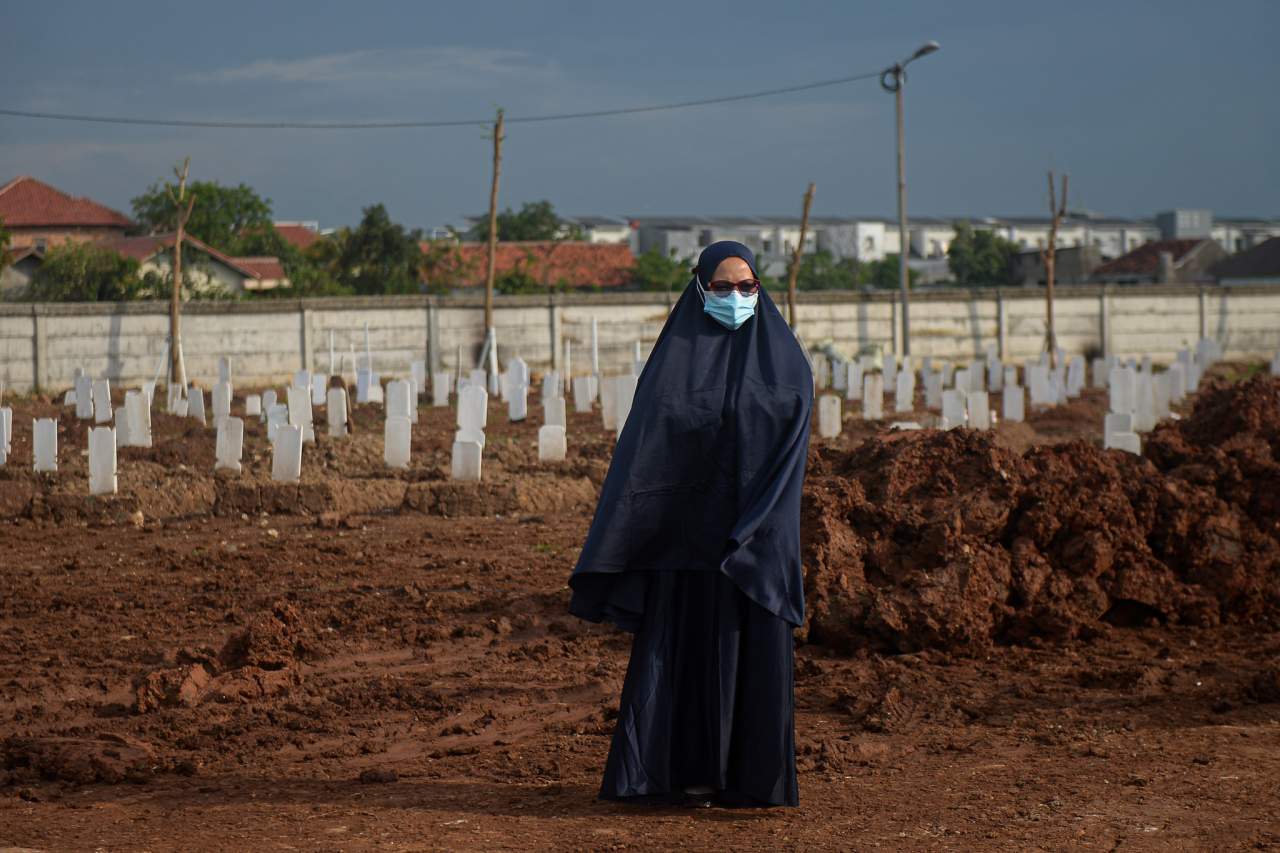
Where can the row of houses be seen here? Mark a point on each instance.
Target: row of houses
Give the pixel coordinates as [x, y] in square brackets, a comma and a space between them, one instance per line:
[40, 217]
[1174, 246]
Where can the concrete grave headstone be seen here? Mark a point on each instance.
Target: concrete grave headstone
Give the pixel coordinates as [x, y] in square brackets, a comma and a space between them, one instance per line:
[995, 376]
[364, 382]
[253, 406]
[470, 434]
[581, 394]
[84, 397]
[1161, 387]
[890, 370]
[172, 397]
[138, 415]
[195, 404]
[473, 407]
[396, 436]
[829, 416]
[1120, 386]
[418, 373]
[1014, 403]
[335, 410]
[6, 433]
[269, 399]
[905, 392]
[948, 374]
[932, 389]
[465, 464]
[961, 378]
[300, 414]
[551, 385]
[517, 401]
[873, 396]
[102, 461]
[953, 408]
[853, 381]
[978, 408]
[229, 446]
[220, 401]
[319, 388]
[44, 444]
[1177, 382]
[277, 416]
[552, 444]
[1099, 373]
[102, 401]
[398, 400]
[553, 412]
[623, 396]
[608, 405]
[286, 454]
[440, 382]
[1075, 376]
[1042, 392]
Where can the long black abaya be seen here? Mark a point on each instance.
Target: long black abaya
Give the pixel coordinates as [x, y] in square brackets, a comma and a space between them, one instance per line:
[708, 697]
[695, 548]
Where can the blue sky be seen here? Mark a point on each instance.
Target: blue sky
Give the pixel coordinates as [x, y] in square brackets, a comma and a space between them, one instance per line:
[1146, 104]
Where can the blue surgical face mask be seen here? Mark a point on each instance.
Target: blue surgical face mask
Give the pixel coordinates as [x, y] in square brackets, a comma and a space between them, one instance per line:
[729, 311]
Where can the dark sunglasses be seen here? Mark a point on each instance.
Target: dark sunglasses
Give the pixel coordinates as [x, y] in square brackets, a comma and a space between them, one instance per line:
[723, 287]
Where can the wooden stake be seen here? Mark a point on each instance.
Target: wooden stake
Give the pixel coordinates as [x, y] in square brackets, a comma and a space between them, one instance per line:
[795, 256]
[493, 223]
[1049, 256]
[177, 369]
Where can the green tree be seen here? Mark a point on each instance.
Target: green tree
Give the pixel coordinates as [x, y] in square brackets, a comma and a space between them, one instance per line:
[980, 257]
[823, 271]
[309, 274]
[883, 274]
[380, 256]
[221, 214]
[444, 266]
[656, 271]
[536, 220]
[86, 272]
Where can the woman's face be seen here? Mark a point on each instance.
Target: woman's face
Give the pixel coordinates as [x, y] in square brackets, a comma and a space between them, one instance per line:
[732, 269]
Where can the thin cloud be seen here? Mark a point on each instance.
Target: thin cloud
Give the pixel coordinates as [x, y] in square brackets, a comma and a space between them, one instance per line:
[453, 66]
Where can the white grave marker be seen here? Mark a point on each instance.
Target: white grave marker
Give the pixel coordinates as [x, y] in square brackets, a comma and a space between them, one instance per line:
[253, 406]
[1014, 404]
[399, 399]
[440, 382]
[300, 414]
[1099, 373]
[101, 401]
[44, 444]
[465, 465]
[319, 388]
[829, 416]
[873, 396]
[221, 401]
[138, 415]
[336, 412]
[905, 392]
[853, 381]
[553, 413]
[102, 461]
[195, 404]
[581, 394]
[517, 401]
[286, 454]
[953, 408]
[396, 436]
[224, 369]
[84, 397]
[473, 407]
[552, 444]
[978, 405]
[623, 395]
[6, 433]
[277, 416]
[269, 399]
[608, 405]
[229, 446]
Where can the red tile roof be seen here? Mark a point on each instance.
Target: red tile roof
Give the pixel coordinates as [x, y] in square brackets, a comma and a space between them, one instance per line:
[28, 203]
[577, 264]
[1145, 260]
[141, 248]
[264, 267]
[299, 235]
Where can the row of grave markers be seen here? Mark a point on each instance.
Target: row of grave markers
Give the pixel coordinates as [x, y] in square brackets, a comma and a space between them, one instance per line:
[962, 394]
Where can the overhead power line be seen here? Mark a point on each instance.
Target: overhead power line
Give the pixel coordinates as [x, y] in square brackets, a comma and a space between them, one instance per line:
[392, 125]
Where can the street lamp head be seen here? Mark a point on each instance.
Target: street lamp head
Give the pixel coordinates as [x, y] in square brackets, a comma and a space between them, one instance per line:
[925, 49]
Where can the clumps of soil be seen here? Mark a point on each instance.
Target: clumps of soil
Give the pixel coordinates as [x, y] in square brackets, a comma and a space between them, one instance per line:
[109, 759]
[950, 540]
[260, 660]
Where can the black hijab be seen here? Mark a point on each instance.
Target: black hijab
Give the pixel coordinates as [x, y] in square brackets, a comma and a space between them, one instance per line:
[708, 468]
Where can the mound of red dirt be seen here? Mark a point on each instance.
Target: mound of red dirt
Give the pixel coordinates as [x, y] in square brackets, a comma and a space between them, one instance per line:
[948, 540]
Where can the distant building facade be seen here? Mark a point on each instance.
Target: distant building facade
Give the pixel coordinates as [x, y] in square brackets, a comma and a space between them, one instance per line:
[42, 216]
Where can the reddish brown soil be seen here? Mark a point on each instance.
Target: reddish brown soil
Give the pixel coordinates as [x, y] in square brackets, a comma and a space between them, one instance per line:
[350, 672]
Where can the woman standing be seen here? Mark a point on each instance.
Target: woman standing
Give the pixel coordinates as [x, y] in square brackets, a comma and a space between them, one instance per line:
[695, 548]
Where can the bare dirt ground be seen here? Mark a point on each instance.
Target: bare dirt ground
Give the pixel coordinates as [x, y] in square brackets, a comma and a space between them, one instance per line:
[376, 660]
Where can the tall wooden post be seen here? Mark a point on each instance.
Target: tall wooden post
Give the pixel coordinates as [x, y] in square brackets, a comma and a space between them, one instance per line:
[493, 226]
[182, 212]
[1049, 255]
[795, 256]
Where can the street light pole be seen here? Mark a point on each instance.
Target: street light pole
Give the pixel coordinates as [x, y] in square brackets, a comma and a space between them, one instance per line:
[892, 80]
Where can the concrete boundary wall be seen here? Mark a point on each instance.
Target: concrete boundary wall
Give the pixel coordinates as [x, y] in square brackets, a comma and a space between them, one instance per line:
[41, 344]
